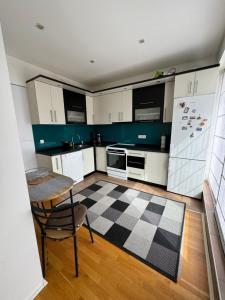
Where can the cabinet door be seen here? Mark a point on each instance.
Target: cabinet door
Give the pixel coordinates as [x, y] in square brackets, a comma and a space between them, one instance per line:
[205, 81]
[89, 163]
[184, 85]
[103, 109]
[44, 102]
[101, 159]
[168, 102]
[90, 110]
[56, 164]
[156, 168]
[126, 106]
[58, 105]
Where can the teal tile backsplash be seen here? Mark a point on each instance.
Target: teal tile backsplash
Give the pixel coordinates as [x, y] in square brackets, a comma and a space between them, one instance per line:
[128, 133]
[53, 135]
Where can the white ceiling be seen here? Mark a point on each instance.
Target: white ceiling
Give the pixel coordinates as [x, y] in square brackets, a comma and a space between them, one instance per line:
[76, 31]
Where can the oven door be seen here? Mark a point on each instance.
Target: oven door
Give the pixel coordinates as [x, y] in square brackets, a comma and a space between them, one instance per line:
[116, 160]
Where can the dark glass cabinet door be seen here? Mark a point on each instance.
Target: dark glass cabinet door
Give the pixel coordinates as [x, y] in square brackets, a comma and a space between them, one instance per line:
[75, 107]
[148, 103]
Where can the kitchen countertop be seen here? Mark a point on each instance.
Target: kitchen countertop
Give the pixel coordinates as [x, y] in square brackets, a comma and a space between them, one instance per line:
[62, 150]
[139, 147]
[145, 147]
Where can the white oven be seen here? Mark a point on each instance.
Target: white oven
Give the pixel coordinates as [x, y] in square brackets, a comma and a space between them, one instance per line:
[116, 162]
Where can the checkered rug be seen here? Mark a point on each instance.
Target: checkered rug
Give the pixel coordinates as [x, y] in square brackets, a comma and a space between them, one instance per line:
[146, 226]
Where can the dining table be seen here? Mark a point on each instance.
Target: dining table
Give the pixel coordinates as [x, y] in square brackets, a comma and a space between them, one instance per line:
[46, 186]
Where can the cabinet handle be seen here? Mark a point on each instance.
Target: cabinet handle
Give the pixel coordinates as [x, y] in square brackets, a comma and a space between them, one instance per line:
[55, 116]
[190, 86]
[110, 118]
[134, 173]
[51, 116]
[57, 163]
[119, 116]
[196, 86]
[149, 102]
[164, 116]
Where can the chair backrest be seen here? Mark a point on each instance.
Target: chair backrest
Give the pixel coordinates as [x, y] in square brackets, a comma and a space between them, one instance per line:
[61, 217]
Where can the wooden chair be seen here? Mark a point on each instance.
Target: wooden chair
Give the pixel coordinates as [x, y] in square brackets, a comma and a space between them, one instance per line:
[59, 223]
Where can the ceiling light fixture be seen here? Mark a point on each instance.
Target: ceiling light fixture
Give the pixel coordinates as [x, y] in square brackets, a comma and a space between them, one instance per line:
[92, 61]
[40, 26]
[141, 41]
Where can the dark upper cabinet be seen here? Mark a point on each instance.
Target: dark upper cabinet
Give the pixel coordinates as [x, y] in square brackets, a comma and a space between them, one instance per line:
[148, 103]
[75, 107]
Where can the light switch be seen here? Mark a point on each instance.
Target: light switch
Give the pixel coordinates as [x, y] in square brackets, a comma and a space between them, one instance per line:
[142, 136]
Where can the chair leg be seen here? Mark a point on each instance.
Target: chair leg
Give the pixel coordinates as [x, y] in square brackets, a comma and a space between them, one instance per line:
[43, 254]
[89, 228]
[75, 254]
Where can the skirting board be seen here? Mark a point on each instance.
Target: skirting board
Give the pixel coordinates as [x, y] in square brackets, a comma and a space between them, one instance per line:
[210, 280]
[37, 291]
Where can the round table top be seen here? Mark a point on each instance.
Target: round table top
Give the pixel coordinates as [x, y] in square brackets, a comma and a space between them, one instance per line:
[49, 187]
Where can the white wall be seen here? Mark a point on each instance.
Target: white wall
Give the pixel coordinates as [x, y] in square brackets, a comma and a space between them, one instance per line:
[24, 126]
[139, 77]
[20, 271]
[217, 164]
[20, 71]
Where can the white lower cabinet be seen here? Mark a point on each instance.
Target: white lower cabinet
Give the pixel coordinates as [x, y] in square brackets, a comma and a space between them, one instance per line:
[136, 173]
[101, 159]
[53, 163]
[156, 167]
[89, 162]
[72, 165]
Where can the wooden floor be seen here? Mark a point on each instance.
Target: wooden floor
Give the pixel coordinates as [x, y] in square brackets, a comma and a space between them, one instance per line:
[106, 272]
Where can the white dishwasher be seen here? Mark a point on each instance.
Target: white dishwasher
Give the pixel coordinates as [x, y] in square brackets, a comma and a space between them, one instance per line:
[72, 165]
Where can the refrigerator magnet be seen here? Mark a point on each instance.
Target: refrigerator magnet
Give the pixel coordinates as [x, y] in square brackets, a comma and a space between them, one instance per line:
[198, 129]
[192, 117]
[184, 128]
[202, 124]
[193, 111]
[182, 104]
[186, 110]
[185, 118]
[199, 117]
[192, 135]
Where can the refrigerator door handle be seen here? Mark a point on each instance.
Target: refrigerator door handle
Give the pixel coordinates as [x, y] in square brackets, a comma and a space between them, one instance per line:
[196, 87]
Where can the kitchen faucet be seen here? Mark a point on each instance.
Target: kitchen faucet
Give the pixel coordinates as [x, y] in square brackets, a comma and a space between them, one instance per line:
[81, 142]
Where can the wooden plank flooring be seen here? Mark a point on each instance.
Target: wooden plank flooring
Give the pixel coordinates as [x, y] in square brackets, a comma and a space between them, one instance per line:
[107, 272]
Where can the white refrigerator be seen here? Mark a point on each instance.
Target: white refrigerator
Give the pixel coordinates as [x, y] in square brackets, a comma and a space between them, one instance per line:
[189, 144]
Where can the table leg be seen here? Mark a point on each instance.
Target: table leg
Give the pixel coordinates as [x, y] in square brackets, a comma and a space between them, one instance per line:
[71, 196]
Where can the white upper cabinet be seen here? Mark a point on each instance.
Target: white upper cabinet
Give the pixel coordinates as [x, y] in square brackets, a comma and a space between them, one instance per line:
[168, 102]
[57, 105]
[196, 83]
[46, 103]
[205, 81]
[122, 106]
[109, 108]
[184, 85]
[90, 110]
[103, 109]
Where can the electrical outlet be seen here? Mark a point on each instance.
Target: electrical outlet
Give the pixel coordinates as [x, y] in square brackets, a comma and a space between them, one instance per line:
[42, 141]
[142, 136]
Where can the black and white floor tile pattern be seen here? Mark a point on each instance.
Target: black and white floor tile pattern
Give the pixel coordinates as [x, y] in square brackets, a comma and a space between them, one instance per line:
[146, 226]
